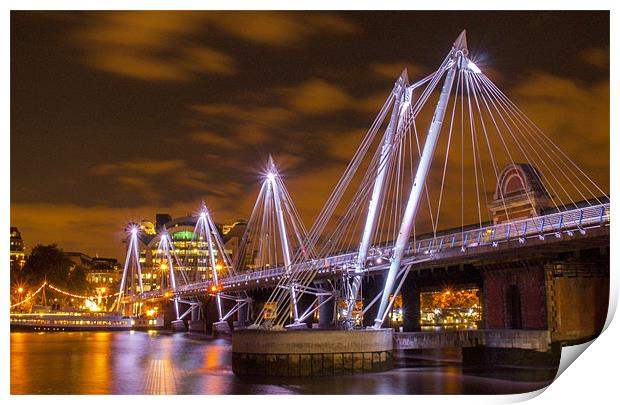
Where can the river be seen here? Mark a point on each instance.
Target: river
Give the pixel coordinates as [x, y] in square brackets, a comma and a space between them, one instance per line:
[162, 363]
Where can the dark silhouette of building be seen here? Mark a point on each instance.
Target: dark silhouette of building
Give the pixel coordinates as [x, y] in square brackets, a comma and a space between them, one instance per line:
[18, 249]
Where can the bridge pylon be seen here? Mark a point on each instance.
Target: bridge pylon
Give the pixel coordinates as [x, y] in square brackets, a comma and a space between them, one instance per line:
[456, 60]
[131, 282]
[167, 262]
[274, 237]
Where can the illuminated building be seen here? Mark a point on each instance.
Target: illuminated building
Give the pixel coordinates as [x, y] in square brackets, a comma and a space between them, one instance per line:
[147, 227]
[79, 259]
[104, 274]
[193, 256]
[18, 249]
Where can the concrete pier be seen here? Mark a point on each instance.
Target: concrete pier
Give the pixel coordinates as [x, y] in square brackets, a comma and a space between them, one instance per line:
[178, 326]
[220, 329]
[197, 326]
[311, 352]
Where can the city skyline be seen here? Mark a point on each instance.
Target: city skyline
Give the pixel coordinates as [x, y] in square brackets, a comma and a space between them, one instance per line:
[153, 112]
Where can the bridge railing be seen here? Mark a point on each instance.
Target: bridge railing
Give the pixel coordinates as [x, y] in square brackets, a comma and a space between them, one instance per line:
[576, 220]
[553, 225]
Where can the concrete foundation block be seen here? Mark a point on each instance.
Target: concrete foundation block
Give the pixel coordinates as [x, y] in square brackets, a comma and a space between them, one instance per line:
[197, 326]
[311, 352]
[221, 329]
[178, 326]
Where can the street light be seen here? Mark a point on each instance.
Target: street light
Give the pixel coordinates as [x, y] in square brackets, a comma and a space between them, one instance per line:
[20, 290]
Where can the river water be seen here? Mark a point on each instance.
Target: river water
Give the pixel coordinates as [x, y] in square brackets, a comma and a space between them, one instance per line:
[161, 363]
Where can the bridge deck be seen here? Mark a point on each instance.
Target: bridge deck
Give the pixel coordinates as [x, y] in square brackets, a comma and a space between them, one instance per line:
[559, 231]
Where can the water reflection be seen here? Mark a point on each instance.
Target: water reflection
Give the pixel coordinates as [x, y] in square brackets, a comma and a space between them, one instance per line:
[160, 363]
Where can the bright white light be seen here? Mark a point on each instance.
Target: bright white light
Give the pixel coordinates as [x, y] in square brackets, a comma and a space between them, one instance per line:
[134, 230]
[472, 66]
[92, 306]
[271, 176]
[203, 214]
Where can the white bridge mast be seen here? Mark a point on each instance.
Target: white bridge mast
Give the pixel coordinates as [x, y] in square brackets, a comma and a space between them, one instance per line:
[398, 94]
[458, 52]
[272, 172]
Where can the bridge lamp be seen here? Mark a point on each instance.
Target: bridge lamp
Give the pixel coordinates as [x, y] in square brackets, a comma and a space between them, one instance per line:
[163, 267]
[472, 66]
[20, 290]
[218, 267]
[103, 290]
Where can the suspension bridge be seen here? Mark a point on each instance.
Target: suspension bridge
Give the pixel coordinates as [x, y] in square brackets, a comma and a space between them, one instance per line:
[451, 174]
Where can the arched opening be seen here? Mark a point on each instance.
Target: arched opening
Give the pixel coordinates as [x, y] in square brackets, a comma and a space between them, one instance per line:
[513, 307]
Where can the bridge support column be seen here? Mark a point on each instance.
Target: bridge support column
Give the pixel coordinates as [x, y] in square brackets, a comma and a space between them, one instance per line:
[577, 293]
[196, 315]
[221, 328]
[411, 305]
[243, 316]
[197, 323]
[215, 307]
[514, 296]
[171, 314]
[326, 311]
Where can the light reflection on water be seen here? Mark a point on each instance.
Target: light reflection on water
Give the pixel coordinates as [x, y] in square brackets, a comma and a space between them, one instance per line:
[154, 363]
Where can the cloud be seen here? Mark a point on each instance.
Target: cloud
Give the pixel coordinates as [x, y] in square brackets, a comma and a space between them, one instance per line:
[598, 57]
[213, 139]
[169, 45]
[262, 115]
[372, 103]
[137, 65]
[392, 70]
[343, 144]
[574, 116]
[244, 126]
[152, 180]
[278, 28]
[149, 45]
[204, 59]
[316, 96]
[144, 166]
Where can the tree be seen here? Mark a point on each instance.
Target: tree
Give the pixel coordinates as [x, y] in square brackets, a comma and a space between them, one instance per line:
[47, 262]
[77, 280]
